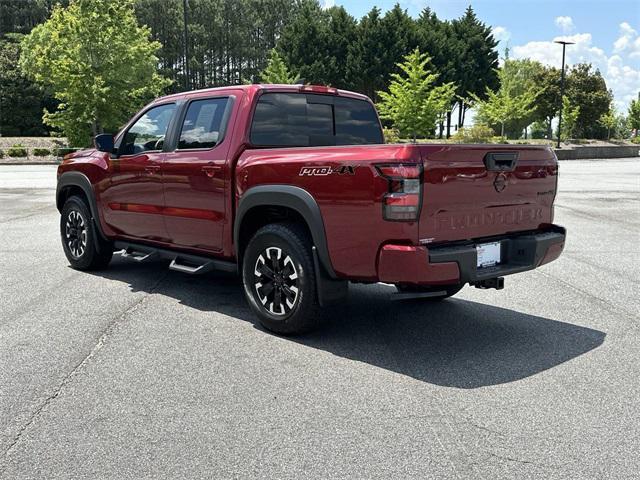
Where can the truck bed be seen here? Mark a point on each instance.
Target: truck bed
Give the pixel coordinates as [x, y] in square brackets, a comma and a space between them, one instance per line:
[460, 200]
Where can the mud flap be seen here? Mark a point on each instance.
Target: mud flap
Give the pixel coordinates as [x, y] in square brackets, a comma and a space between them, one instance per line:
[330, 291]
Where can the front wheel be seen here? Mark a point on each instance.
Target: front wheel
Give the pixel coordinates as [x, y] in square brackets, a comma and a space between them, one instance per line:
[450, 290]
[82, 246]
[279, 279]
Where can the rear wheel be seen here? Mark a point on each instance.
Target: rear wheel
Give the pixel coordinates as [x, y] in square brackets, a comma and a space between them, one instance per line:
[82, 246]
[450, 290]
[279, 279]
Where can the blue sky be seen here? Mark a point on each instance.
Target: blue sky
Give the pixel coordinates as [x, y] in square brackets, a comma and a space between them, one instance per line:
[606, 32]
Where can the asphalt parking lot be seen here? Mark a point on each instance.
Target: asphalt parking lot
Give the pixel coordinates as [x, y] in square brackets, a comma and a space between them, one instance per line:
[140, 372]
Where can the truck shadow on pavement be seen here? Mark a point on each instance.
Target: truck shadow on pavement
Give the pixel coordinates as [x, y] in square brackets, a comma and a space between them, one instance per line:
[454, 343]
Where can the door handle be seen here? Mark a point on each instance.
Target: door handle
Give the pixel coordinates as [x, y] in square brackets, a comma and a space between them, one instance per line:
[210, 170]
[151, 169]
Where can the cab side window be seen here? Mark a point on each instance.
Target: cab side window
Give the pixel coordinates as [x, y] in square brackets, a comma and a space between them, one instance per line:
[147, 134]
[203, 125]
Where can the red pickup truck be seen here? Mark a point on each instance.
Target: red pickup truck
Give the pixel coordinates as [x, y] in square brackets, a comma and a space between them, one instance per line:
[293, 187]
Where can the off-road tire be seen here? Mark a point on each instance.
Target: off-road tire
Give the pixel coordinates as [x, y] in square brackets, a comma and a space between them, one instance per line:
[278, 261]
[83, 246]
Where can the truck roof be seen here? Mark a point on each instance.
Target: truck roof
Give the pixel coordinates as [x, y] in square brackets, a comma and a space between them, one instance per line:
[258, 87]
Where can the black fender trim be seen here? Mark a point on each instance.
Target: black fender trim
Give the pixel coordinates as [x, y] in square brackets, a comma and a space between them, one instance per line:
[292, 197]
[80, 180]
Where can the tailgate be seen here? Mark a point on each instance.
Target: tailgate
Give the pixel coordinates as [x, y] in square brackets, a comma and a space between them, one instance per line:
[476, 191]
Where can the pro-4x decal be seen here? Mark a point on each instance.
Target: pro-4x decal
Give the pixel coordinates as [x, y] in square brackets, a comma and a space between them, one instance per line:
[327, 170]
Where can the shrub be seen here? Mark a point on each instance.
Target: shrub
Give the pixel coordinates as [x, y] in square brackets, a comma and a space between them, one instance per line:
[1, 154]
[498, 140]
[635, 140]
[17, 151]
[391, 135]
[474, 134]
[41, 152]
[62, 151]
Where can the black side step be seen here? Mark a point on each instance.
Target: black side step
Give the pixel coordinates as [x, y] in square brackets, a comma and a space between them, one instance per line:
[180, 262]
[137, 254]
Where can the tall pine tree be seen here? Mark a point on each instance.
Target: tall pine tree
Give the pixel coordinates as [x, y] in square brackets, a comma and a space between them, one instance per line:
[316, 43]
[437, 38]
[365, 70]
[476, 60]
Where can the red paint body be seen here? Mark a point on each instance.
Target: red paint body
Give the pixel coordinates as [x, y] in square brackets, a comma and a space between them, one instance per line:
[187, 200]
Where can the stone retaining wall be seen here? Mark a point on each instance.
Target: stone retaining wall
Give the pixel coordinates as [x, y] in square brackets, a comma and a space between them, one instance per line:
[610, 151]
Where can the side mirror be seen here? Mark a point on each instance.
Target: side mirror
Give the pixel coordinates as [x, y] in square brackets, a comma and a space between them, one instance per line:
[104, 142]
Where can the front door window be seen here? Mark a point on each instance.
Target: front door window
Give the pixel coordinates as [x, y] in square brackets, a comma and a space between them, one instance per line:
[147, 134]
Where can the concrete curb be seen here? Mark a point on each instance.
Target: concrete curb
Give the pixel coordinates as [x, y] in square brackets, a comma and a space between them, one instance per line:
[14, 163]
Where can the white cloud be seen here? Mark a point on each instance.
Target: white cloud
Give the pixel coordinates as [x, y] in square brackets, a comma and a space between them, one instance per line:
[628, 41]
[623, 80]
[627, 29]
[501, 34]
[550, 53]
[620, 76]
[565, 24]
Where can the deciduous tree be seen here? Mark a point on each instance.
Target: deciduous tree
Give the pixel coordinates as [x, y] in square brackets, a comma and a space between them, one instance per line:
[609, 121]
[570, 115]
[276, 70]
[633, 118]
[511, 103]
[413, 101]
[587, 89]
[99, 63]
[548, 100]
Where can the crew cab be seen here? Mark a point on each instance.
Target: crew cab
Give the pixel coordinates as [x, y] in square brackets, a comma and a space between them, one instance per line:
[293, 187]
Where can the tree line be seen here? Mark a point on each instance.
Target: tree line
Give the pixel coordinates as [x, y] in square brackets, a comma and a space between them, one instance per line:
[238, 41]
[229, 42]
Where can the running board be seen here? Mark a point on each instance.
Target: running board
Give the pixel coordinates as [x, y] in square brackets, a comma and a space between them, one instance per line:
[180, 262]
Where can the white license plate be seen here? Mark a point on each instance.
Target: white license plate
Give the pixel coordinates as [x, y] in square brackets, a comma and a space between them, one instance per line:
[488, 254]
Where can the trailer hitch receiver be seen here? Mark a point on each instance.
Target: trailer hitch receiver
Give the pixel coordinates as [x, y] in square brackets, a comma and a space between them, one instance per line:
[497, 283]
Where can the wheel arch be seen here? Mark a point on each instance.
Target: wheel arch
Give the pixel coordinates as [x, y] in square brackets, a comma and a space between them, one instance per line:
[289, 197]
[71, 183]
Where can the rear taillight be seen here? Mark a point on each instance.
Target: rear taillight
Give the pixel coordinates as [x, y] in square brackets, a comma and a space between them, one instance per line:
[404, 196]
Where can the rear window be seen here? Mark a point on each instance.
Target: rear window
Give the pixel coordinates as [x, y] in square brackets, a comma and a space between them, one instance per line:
[203, 125]
[309, 120]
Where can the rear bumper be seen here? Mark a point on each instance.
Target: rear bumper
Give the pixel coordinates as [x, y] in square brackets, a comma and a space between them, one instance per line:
[449, 264]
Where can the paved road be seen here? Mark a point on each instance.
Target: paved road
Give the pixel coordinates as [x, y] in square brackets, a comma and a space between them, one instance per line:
[139, 372]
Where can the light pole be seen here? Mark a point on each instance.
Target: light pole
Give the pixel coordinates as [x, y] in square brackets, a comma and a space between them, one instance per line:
[564, 44]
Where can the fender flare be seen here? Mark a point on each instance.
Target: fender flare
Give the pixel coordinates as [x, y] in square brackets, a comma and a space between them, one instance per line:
[80, 180]
[292, 197]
